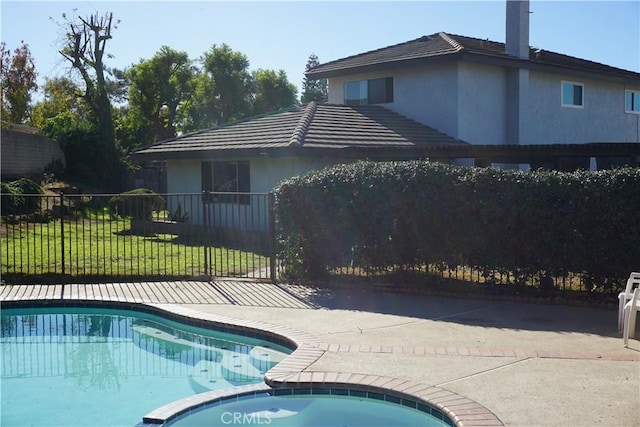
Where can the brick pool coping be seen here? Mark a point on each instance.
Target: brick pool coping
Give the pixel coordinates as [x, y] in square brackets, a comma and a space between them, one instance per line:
[292, 371]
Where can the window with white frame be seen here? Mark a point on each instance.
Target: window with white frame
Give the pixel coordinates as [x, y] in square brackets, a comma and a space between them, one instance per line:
[229, 177]
[572, 94]
[374, 91]
[632, 101]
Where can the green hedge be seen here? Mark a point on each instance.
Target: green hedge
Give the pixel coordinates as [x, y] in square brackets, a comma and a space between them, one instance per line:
[400, 214]
[138, 204]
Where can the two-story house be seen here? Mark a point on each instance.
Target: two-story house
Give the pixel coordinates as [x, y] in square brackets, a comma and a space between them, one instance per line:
[443, 97]
[489, 93]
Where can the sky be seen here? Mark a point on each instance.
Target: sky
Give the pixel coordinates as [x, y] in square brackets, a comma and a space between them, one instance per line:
[282, 35]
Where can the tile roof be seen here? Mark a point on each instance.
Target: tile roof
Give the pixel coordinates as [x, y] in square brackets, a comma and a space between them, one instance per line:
[443, 45]
[319, 126]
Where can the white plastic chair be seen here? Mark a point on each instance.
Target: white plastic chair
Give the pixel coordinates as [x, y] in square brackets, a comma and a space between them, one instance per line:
[624, 296]
[630, 313]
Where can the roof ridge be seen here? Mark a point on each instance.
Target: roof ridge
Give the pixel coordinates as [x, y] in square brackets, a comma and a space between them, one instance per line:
[421, 38]
[303, 124]
[446, 37]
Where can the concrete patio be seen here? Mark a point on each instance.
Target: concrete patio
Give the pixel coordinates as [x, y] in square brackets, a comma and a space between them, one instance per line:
[529, 364]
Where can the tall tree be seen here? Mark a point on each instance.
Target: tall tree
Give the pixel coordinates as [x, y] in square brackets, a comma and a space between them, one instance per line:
[232, 82]
[272, 91]
[313, 90]
[18, 74]
[157, 88]
[85, 48]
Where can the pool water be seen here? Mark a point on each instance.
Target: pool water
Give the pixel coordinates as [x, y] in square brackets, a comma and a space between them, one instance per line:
[93, 367]
[308, 411]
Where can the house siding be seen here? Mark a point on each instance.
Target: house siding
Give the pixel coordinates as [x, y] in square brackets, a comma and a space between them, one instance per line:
[602, 118]
[482, 112]
[184, 176]
[427, 95]
[430, 95]
[486, 104]
[268, 172]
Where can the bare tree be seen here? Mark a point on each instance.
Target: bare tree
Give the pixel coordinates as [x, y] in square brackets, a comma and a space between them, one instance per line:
[84, 48]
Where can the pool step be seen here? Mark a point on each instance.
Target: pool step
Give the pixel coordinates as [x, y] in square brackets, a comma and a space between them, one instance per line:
[239, 367]
[207, 375]
[264, 358]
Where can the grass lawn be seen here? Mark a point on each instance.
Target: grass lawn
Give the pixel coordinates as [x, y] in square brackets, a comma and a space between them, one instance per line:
[100, 245]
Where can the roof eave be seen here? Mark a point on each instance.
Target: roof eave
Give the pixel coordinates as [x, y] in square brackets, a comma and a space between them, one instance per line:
[512, 62]
[497, 153]
[623, 76]
[399, 152]
[383, 66]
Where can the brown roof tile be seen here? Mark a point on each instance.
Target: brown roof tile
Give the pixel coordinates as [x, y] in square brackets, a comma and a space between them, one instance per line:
[311, 126]
[444, 45]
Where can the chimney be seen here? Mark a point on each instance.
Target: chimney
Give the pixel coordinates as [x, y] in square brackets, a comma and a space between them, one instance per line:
[518, 28]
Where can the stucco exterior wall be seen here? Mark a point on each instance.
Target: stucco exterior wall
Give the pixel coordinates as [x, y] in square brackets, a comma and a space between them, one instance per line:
[425, 94]
[471, 102]
[184, 176]
[602, 119]
[482, 111]
[463, 100]
[430, 95]
[267, 173]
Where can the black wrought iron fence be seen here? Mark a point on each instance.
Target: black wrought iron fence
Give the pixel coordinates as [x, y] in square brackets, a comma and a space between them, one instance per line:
[144, 235]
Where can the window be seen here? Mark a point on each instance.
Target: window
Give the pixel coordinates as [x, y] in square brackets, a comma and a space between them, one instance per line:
[632, 101]
[227, 177]
[375, 91]
[572, 94]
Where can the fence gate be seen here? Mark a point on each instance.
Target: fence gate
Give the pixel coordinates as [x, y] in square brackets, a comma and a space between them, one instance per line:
[138, 235]
[240, 231]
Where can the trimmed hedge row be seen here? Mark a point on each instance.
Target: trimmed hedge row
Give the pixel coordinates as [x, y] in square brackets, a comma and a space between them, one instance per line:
[400, 214]
[139, 203]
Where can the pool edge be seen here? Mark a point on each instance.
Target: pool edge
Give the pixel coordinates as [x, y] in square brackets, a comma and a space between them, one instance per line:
[290, 372]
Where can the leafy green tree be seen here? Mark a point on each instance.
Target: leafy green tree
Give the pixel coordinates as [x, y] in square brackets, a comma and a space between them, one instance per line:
[313, 90]
[273, 91]
[198, 111]
[79, 141]
[61, 95]
[132, 129]
[232, 82]
[158, 87]
[18, 76]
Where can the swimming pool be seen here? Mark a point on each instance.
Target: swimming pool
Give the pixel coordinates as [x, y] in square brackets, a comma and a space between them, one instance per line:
[68, 366]
[319, 407]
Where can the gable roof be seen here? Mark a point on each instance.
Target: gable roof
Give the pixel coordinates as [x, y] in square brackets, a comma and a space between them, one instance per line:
[443, 46]
[307, 130]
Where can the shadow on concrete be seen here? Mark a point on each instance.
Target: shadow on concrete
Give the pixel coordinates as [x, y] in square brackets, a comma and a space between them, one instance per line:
[477, 312]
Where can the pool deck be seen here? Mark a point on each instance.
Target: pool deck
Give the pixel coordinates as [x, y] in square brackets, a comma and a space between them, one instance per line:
[529, 364]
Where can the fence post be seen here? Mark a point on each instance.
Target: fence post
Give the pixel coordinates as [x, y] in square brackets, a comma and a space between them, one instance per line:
[205, 213]
[272, 238]
[62, 230]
